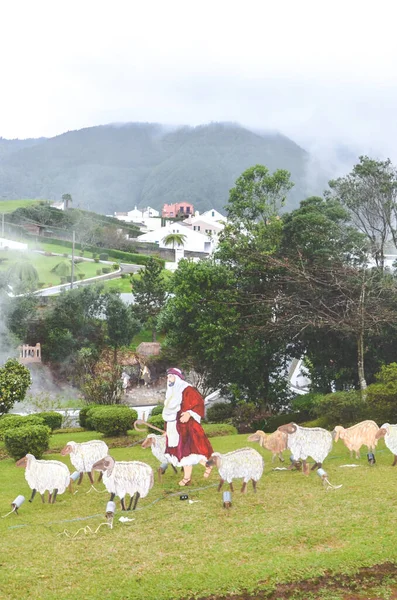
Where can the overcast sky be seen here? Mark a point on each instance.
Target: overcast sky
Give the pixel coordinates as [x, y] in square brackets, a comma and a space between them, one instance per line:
[320, 72]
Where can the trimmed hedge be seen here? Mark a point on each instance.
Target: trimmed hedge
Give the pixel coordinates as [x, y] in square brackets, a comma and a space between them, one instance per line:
[157, 421]
[113, 420]
[52, 419]
[34, 439]
[157, 410]
[218, 429]
[269, 425]
[15, 421]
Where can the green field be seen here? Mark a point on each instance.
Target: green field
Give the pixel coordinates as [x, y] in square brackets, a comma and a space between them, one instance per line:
[43, 264]
[8, 206]
[292, 529]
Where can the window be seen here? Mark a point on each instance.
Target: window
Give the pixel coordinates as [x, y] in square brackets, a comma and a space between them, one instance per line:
[198, 228]
[213, 213]
[188, 209]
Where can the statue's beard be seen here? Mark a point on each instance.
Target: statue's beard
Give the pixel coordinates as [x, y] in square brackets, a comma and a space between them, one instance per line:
[171, 383]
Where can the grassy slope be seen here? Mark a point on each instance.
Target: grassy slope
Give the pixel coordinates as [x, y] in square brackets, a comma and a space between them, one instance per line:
[291, 529]
[8, 206]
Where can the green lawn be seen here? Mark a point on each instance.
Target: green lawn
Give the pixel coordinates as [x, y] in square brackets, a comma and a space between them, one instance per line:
[44, 264]
[8, 206]
[119, 284]
[291, 530]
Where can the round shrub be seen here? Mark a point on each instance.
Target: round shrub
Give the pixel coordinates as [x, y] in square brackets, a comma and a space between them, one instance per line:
[34, 439]
[84, 416]
[52, 419]
[157, 410]
[14, 421]
[115, 266]
[103, 256]
[113, 420]
[105, 270]
[220, 412]
[157, 421]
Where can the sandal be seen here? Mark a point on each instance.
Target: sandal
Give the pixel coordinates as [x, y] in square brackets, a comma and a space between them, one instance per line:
[207, 472]
[184, 482]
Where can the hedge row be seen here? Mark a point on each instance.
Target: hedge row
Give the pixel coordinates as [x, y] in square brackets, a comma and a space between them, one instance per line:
[29, 439]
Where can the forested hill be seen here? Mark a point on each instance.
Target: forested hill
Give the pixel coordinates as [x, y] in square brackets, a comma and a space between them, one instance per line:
[115, 167]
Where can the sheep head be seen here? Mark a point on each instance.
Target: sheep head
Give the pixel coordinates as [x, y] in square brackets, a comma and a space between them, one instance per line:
[22, 462]
[68, 449]
[381, 432]
[288, 428]
[338, 432]
[106, 465]
[149, 441]
[258, 436]
[214, 459]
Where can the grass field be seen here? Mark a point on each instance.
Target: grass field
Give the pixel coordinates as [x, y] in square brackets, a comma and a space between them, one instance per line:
[291, 530]
[8, 206]
[44, 264]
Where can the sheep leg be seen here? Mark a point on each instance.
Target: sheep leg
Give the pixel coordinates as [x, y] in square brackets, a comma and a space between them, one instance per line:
[42, 498]
[54, 495]
[280, 456]
[122, 504]
[100, 476]
[254, 484]
[273, 457]
[221, 482]
[130, 504]
[244, 487]
[80, 478]
[315, 466]
[305, 467]
[394, 461]
[231, 486]
[137, 496]
[175, 469]
[357, 454]
[90, 477]
[49, 497]
[160, 475]
[33, 495]
[112, 497]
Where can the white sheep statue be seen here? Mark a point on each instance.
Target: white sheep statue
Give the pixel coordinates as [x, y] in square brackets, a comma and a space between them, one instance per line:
[389, 432]
[244, 463]
[42, 475]
[361, 434]
[125, 477]
[157, 445]
[84, 455]
[276, 442]
[307, 441]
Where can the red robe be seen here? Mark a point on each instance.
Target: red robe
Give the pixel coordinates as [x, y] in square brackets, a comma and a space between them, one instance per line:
[192, 439]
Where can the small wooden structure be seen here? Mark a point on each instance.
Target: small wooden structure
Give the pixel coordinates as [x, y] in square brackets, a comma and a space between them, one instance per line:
[149, 348]
[30, 354]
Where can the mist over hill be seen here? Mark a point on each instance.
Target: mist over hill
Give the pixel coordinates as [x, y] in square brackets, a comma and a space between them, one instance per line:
[115, 167]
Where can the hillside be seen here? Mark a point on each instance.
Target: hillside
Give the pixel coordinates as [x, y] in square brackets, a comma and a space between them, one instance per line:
[111, 167]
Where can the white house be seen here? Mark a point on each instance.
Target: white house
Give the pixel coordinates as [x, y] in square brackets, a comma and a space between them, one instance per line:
[213, 215]
[195, 241]
[137, 215]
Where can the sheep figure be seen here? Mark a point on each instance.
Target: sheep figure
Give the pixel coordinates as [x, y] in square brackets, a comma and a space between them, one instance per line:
[275, 442]
[42, 475]
[389, 432]
[307, 441]
[361, 434]
[157, 445]
[244, 463]
[125, 477]
[84, 455]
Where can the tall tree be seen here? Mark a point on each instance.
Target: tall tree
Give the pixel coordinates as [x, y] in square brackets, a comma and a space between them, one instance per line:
[67, 199]
[150, 294]
[120, 323]
[369, 192]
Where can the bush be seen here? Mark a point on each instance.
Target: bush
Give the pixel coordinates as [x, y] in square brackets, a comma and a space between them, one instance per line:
[81, 276]
[218, 429]
[113, 420]
[34, 439]
[157, 410]
[52, 419]
[246, 415]
[85, 416]
[305, 405]
[96, 260]
[341, 408]
[272, 423]
[320, 422]
[382, 395]
[220, 412]
[99, 271]
[106, 270]
[157, 421]
[115, 266]
[65, 255]
[103, 256]
[124, 275]
[15, 421]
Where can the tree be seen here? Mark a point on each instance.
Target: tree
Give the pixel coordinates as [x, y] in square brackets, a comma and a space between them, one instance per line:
[258, 195]
[14, 382]
[67, 199]
[369, 192]
[121, 325]
[150, 294]
[174, 239]
[23, 276]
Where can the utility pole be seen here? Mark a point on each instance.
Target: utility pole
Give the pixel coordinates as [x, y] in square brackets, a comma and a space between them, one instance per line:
[72, 270]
